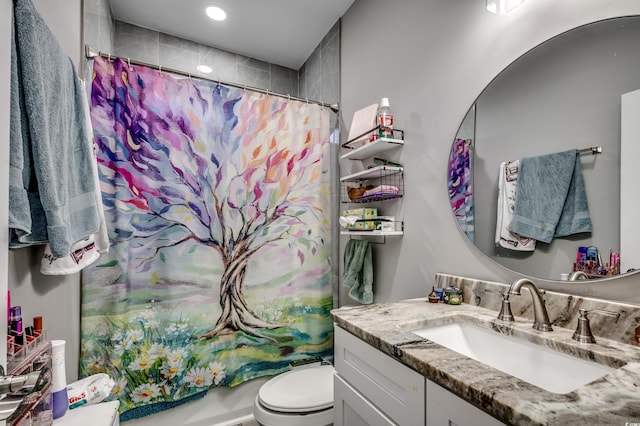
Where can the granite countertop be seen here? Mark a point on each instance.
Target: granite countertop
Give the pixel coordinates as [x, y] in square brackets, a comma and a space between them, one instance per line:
[613, 399]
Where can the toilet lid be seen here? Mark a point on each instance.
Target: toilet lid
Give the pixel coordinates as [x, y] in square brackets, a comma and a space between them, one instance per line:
[299, 390]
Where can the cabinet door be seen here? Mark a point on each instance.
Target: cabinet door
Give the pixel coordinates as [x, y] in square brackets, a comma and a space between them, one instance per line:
[395, 389]
[352, 409]
[447, 409]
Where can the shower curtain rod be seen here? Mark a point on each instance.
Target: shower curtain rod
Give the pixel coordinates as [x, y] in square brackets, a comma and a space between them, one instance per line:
[92, 53]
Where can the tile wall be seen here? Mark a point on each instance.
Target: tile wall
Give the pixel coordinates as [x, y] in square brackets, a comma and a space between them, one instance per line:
[318, 78]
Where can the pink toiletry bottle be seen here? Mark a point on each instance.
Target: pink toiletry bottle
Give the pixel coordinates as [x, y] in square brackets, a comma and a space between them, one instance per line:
[385, 119]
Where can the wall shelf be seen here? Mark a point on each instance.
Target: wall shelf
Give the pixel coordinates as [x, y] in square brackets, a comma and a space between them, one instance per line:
[372, 185]
[372, 173]
[373, 233]
[373, 148]
[379, 183]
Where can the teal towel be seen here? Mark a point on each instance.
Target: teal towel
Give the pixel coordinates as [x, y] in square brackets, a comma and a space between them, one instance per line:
[50, 198]
[551, 199]
[358, 271]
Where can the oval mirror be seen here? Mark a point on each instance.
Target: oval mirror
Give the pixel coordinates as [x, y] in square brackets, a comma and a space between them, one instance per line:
[567, 93]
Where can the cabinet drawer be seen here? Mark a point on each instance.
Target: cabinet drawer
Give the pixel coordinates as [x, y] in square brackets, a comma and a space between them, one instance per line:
[352, 409]
[447, 409]
[394, 388]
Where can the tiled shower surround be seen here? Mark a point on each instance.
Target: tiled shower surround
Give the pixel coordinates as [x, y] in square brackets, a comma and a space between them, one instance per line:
[318, 79]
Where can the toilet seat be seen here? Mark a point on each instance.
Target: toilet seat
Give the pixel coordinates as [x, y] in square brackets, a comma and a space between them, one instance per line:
[302, 390]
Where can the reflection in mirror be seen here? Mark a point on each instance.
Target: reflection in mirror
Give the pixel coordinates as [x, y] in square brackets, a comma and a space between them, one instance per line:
[564, 94]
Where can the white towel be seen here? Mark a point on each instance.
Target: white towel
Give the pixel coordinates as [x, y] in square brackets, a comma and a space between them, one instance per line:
[507, 182]
[102, 236]
[83, 253]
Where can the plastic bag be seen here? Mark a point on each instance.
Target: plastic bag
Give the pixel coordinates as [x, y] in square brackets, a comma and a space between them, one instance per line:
[90, 390]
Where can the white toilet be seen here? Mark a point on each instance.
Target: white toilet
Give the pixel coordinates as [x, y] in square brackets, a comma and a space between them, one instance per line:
[300, 397]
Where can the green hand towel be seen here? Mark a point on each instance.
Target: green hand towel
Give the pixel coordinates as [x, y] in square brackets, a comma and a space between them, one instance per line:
[358, 271]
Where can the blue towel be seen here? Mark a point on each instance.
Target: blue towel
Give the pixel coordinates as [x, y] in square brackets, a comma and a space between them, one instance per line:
[551, 200]
[358, 271]
[51, 192]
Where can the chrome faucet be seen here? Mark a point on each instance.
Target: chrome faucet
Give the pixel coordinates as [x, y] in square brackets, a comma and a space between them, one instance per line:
[540, 316]
[578, 275]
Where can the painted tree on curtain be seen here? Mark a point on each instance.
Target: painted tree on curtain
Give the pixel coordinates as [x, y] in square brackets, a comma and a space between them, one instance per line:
[212, 194]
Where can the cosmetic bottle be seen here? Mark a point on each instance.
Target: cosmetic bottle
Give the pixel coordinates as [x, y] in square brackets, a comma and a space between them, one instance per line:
[15, 324]
[385, 119]
[37, 324]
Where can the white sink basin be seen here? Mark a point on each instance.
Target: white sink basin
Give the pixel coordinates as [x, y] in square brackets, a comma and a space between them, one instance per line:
[537, 365]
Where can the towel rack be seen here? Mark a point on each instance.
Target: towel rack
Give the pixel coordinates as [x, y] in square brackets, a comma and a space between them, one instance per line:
[592, 150]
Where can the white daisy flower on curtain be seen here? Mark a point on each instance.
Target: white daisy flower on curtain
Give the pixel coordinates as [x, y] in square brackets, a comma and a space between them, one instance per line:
[217, 372]
[145, 392]
[177, 355]
[199, 377]
[119, 387]
[95, 363]
[171, 369]
[143, 362]
[134, 336]
[157, 351]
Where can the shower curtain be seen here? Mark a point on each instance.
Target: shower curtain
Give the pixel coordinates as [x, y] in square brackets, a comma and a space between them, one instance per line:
[460, 184]
[218, 207]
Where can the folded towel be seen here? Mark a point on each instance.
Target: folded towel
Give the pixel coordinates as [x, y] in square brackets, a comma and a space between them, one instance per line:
[62, 205]
[358, 271]
[381, 190]
[505, 238]
[83, 253]
[551, 197]
[22, 181]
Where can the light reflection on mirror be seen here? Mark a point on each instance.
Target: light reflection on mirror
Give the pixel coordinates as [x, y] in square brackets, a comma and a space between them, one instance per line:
[564, 94]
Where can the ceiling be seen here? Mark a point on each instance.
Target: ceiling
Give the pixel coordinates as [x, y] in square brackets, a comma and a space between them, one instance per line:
[282, 32]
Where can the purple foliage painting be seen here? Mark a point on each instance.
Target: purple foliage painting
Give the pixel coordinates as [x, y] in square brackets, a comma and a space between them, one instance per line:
[460, 183]
[217, 202]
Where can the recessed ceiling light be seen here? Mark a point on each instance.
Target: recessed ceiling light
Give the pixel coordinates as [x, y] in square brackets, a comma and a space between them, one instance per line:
[215, 13]
[205, 69]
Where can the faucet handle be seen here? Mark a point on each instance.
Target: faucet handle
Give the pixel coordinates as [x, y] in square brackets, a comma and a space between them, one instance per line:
[505, 310]
[583, 331]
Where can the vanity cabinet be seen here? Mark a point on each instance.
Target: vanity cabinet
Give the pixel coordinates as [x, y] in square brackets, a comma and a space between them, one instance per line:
[371, 388]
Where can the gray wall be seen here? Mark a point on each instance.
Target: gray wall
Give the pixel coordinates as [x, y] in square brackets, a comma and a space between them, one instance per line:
[5, 103]
[432, 70]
